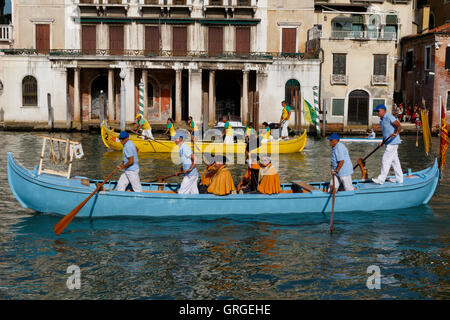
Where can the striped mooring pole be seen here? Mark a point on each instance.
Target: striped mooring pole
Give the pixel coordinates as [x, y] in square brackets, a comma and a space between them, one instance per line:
[316, 108]
[141, 98]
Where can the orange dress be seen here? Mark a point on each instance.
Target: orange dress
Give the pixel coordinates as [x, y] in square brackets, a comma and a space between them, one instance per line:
[222, 183]
[207, 175]
[269, 180]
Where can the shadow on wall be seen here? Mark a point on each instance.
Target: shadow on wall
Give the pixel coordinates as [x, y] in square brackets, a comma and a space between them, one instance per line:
[2, 115]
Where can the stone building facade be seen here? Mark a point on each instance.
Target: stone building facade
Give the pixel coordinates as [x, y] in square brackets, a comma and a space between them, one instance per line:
[359, 45]
[204, 58]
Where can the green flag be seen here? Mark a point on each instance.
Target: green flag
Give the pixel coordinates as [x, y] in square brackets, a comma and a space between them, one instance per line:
[310, 114]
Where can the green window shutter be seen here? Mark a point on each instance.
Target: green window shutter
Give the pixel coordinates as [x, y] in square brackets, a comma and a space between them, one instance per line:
[337, 107]
[391, 19]
[376, 102]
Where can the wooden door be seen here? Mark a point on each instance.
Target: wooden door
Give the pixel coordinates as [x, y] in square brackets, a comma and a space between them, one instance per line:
[179, 41]
[215, 40]
[116, 40]
[88, 39]
[289, 40]
[242, 40]
[43, 38]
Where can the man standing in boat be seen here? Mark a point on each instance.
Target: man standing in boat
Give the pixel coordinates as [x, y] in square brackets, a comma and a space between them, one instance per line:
[341, 165]
[142, 123]
[390, 127]
[130, 165]
[227, 133]
[284, 120]
[188, 168]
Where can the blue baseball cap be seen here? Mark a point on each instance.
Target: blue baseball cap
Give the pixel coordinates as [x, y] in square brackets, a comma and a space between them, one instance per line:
[178, 135]
[124, 135]
[380, 106]
[334, 136]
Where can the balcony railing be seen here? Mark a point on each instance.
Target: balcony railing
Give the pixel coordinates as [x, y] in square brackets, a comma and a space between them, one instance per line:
[363, 35]
[6, 33]
[101, 2]
[379, 79]
[339, 79]
[228, 55]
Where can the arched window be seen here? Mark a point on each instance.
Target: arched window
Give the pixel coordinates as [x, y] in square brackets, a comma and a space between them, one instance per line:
[292, 93]
[29, 91]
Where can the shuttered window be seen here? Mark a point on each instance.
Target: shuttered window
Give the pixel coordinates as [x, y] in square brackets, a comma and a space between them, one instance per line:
[43, 38]
[179, 41]
[339, 60]
[337, 107]
[289, 39]
[29, 91]
[379, 64]
[215, 40]
[447, 58]
[243, 40]
[88, 39]
[116, 40]
[152, 39]
[409, 60]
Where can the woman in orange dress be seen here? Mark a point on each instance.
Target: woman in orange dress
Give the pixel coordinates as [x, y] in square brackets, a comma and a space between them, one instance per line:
[222, 181]
[269, 182]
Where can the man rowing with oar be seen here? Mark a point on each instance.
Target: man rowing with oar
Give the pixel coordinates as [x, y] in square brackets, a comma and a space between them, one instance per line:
[390, 128]
[341, 165]
[144, 125]
[130, 165]
[188, 168]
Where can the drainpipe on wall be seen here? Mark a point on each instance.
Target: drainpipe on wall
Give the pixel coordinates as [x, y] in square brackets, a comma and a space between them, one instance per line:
[322, 110]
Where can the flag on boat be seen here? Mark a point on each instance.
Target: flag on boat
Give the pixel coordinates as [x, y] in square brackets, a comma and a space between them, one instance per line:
[311, 115]
[444, 139]
[425, 130]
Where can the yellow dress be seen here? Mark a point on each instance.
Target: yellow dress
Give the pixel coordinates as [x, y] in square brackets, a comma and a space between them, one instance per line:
[269, 180]
[222, 183]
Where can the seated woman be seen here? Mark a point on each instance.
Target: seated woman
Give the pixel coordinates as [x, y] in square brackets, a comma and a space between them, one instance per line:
[222, 181]
[266, 134]
[370, 133]
[249, 182]
[208, 173]
[269, 182]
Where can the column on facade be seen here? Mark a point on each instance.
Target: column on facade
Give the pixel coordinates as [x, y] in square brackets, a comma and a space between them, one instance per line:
[145, 81]
[244, 111]
[195, 94]
[212, 96]
[76, 96]
[110, 94]
[130, 95]
[178, 78]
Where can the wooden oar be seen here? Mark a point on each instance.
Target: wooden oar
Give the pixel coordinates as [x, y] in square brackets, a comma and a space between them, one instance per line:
[147, 138]
[332, 205]
[64, 222]
[163, 178]
[378, 147]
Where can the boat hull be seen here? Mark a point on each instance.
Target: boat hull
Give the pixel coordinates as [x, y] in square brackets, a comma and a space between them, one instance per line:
[54, 194]
[111, 140]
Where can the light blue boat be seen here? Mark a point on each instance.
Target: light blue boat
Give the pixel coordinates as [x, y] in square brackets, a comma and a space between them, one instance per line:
[55, 194]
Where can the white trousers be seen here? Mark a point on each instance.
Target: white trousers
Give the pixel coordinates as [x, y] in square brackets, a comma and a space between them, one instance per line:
[390, 158]
[346, 181]
[129, 177]
[189, 185]
[267, 140]
[147, 133]
[228, 139]
[284, 128]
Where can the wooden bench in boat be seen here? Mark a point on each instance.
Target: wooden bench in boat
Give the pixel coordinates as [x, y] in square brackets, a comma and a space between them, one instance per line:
[304, 186]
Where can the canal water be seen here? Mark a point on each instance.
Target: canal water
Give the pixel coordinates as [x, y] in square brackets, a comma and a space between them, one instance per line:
[270, 256]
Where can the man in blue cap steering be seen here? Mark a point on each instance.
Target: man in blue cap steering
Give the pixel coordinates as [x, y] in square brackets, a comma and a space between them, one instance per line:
[390, 128]
[130, 165]
[341, 165]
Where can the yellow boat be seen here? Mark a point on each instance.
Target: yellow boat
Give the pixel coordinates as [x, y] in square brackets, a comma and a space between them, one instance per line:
[111, 140]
